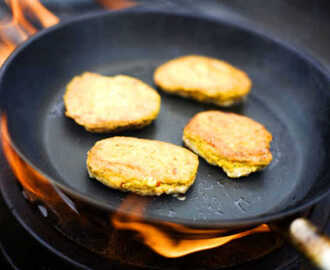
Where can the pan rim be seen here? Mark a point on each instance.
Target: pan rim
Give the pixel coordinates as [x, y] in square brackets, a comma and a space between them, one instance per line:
[225, 223]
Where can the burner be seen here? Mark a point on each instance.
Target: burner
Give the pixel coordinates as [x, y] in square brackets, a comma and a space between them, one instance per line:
[60, 253]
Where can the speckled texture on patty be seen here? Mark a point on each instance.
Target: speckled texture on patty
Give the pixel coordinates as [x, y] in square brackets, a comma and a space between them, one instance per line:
[146, 167]
[234, 142]
[108, 104]
[204, 79]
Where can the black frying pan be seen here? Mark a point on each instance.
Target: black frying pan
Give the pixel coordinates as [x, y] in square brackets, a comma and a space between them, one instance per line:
[290, 96]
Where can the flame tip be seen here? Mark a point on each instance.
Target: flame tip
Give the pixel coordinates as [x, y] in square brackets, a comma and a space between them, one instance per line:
[162, 240]
[17, 28]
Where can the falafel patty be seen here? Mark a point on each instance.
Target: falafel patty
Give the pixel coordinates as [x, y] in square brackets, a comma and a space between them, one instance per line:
[236, 143]
[146, 167]
[204, 79]
[106, 104]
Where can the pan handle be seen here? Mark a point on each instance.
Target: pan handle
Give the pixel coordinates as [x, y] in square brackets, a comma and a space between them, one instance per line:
[306, 238]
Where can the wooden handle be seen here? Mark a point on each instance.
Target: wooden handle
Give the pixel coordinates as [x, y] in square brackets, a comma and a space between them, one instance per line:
[313, 244]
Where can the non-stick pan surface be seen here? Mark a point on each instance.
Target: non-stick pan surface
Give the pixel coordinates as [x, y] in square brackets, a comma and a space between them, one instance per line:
[290, 96]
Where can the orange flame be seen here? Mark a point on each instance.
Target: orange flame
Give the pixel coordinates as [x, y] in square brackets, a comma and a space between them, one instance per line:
[37, 10]
[19, 28]
[116, 4]
[32, 181]
[163, 242]
[18, 17]
[167, 239]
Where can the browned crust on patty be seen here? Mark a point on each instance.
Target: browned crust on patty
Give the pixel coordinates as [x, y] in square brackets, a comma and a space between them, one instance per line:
[203, 78]
[236, 137]
[234, 142]
[146, 167]
[109, 104]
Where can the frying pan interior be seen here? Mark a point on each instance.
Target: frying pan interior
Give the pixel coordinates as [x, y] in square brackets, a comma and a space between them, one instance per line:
[289, 96]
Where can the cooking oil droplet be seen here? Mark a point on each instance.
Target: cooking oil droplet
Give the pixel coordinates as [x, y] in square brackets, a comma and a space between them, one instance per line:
[202, 216]
[215, 206]
[242, 204]
[57, 110]
[208, 187]
[220, 184]
[43, 210]
[226, 193]
[171, 213]
[276, 155]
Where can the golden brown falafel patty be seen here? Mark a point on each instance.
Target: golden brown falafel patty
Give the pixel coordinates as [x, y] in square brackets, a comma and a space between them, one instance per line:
[146, 167]
[234, 142]
[203, 78]
[105, 104]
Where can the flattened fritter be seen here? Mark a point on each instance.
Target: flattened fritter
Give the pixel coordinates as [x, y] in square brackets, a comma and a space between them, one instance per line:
[203, 78]
[234, 142]
[146, 167]
[104, 104]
